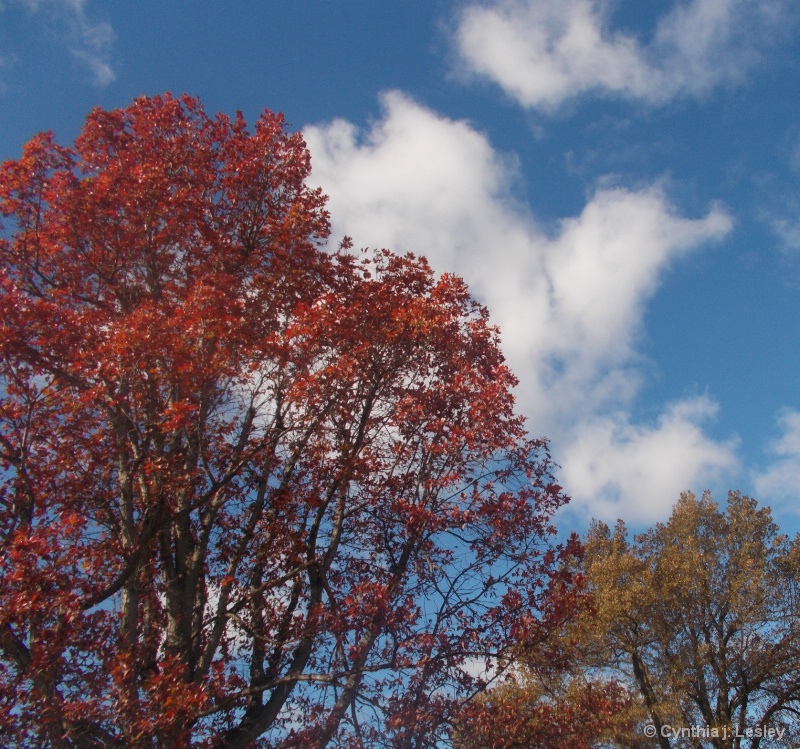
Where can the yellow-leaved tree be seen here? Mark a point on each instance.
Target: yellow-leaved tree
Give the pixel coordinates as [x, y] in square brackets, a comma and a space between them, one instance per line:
[700, 616]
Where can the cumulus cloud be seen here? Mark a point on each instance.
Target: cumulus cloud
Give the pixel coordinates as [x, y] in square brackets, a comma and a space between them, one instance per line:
[543, 52]
[569, 303]
[597, 275]
[780, 480]
[620, 469]
[89, 42]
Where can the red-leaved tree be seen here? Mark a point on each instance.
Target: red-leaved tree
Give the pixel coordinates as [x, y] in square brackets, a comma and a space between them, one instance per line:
[252, 492]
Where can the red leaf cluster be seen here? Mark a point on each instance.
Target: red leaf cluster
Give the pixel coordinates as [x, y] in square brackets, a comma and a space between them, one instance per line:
[516, 717]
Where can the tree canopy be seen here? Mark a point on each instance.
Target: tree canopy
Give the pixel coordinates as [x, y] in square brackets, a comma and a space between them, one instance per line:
[252, 492]
[700, 616]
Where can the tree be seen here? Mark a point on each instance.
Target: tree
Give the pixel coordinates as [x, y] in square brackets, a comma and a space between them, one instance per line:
[254, 493]
[700, 616]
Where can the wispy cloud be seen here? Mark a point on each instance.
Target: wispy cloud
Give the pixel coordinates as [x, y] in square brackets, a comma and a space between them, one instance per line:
[544, 52]
[89, 41]
[569, 303]
[781, 210]
[7, 61]
[780, 480]
[788, 232]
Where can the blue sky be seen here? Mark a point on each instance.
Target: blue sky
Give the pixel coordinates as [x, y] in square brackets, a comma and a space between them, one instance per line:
[618, 181]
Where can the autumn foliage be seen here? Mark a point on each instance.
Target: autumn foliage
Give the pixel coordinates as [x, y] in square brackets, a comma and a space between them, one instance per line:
[701, 616]
[522, 715]
[252, 492]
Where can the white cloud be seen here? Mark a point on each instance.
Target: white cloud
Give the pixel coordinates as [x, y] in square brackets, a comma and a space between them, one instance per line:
[89, 42]
[781, 479]
[570, 306]
[620, 469]
[597, 275]
[543, 52]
